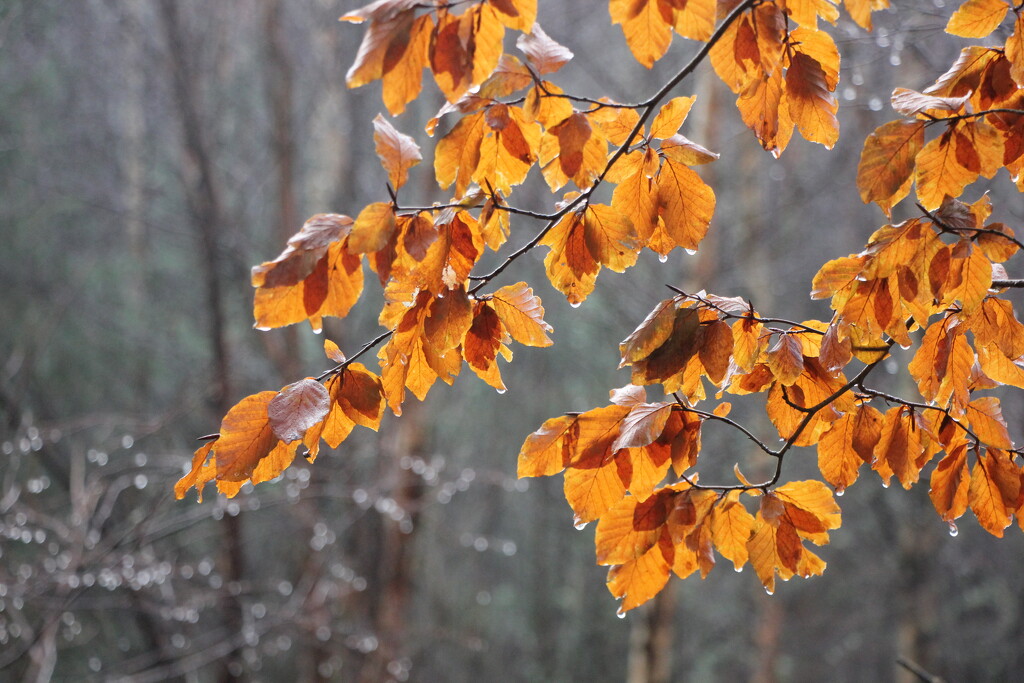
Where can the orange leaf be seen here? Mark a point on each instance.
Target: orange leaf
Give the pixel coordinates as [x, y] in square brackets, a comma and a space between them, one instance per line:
[988, 499]
[987, 423]
[572, 149]
[457, 154]
[977, 18]
[630, 528]
[671, 116]
[245, 437]
[887, 162]
[449, 318]
[1015, 50]
[950, 483]
[483, 343]
[518, 15]
[639, 580]
[939, 173]
[199, 475]
[330, 289]
[731, 526]
[685, 207]
[398, 152]
[847, 445]
[647, 33]
[548, 450]
[899, 447]
[522, 314]
[811, 102]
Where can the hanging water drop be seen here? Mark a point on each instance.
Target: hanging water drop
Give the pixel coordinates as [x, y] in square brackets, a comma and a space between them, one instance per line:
[620, 613]
[580, 526]
[769, 591]
[953, 531]
[663, 257]
[691, 252]
[840, 492]
[502, 390]
[575, 304]
[739, 569]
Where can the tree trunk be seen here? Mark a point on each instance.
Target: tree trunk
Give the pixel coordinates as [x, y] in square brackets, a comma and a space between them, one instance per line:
[205, 205]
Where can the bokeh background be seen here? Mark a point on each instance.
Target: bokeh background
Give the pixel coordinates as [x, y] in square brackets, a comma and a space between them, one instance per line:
[152, 151]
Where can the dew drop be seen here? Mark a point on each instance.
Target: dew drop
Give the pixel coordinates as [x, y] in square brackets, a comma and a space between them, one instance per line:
[953, 531]
[840, 492]
[620, 613]
[769, 591]
[580, 526]
[263, 328]
[739, 569]
[663, 257]
[691, 252]
[502, 390]
[575, 304]
[318, 330]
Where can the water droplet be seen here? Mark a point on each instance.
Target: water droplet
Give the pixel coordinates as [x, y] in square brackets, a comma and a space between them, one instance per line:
[840, 492]
[739, 569]
[318, 330]
[769, 591]
[575, 304]
[691, 252]
[502, 390]
[663, 257]
[262, 328]
[620, 613]
[580, 526]
[953, 531]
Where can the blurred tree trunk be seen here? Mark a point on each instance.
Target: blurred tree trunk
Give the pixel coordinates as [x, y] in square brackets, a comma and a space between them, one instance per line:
[205, 205]
[917, 600]
[282, 345]
[394, 571]
[650, 639]
[133, 124]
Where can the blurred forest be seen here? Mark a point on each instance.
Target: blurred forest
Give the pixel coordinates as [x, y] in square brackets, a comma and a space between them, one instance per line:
[152, 151]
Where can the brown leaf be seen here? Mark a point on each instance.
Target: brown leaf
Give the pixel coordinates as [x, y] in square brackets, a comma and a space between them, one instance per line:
[546, 55]
[296, 408]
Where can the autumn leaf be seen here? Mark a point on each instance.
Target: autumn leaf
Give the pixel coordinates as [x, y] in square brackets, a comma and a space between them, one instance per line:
[572, 150]
[731, 526]
[811, 102]
[296, 408]
[977, 18]
[647, 33]
[246, 437]
[522, 314]
[986, 418]
[670, 117]
[394, 48]
[950, 482]
[466, 48]
[848, 444]
[398, 152]
[518, 15]
[581, 243]
[939, 173]
[887, 162]
[994, 490]
[546, 55]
